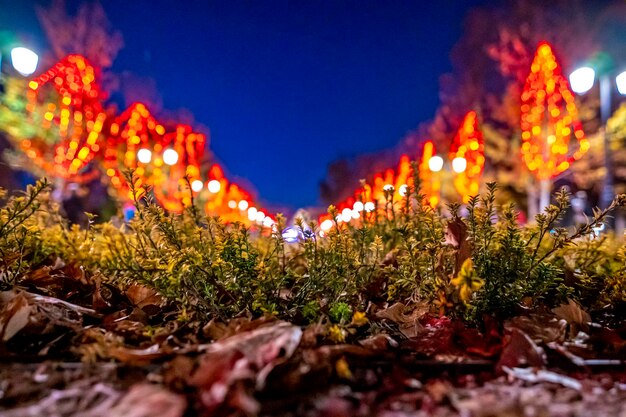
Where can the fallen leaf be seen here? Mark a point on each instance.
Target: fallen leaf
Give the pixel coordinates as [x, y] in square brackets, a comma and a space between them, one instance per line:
[519, 349]
[146, 400]
[15, 314]
[142, 296]
[407, 319]
[577, 318]
[541, 328]
[246, 356]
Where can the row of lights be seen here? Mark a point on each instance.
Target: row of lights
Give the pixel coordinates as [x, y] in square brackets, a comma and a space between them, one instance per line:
[170, 157]
[435, 164]
[459, 164]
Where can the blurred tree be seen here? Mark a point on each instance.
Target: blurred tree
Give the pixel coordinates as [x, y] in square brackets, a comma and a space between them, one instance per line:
[87, 33]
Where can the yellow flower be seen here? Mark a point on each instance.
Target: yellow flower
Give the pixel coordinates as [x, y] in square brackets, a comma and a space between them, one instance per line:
[336, 334]
[359, 319]
[467, 281]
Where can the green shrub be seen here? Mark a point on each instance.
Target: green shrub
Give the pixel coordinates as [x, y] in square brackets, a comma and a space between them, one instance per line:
[464, 266]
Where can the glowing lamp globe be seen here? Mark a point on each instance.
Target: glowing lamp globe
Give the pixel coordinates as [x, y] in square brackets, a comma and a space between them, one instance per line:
[196, 185]
[346, 215]
[24, 61]
[232, 204]
[404, 190]
[620, 80]
[326, 225]
[170, 157]
[358, 206]
[268, 222]
[243, 205]
[260, 216]
[144, 156]
[435, 164]
[369, 206]
[252, 213]
[582, 79]
[459, 165]
[214, 186]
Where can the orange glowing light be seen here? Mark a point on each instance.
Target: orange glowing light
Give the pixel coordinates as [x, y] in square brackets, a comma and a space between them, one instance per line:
[469, 144]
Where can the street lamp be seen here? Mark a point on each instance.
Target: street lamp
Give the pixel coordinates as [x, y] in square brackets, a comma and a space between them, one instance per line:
[24, 60]
[581, 81]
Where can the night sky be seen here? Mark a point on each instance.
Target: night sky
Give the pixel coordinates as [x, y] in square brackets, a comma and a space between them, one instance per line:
[285, 87]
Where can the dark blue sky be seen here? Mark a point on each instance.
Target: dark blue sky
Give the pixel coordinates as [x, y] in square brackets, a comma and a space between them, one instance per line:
[285, 87]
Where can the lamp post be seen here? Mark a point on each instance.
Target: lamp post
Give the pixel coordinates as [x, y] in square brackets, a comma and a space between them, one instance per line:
[581, 81]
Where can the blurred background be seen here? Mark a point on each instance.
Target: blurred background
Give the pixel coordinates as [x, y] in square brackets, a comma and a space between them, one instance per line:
[283, 106]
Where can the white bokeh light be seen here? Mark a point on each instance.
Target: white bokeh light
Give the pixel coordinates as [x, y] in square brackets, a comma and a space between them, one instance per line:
[358, 206]
[326, 225]
[459, 164]
[243, 205]
[620, 80]
[196, 185]
[232, 204]
[404, 190]
[214, 186]
[435, 163]
[24, 60]
[252, 214]
[346, 215]
[369, 206]
[582, 79]
[268, 221]
[170, 156]
[144, 156]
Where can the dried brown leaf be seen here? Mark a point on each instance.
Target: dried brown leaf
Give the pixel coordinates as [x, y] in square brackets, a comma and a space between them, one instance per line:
[142, 296]
[576, 317]
[15, 315]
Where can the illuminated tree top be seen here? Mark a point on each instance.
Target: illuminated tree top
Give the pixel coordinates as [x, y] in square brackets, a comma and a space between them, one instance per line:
[549, 118]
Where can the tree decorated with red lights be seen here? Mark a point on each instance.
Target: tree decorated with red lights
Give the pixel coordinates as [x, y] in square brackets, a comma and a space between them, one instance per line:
[182, 152]
[469, 145]
[160, 159]
[60, 128]
[132, 138]
[65, 103]
[549, 118]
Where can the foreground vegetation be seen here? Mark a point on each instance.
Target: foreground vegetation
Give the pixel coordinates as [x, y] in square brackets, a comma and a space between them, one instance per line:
[482, 263]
